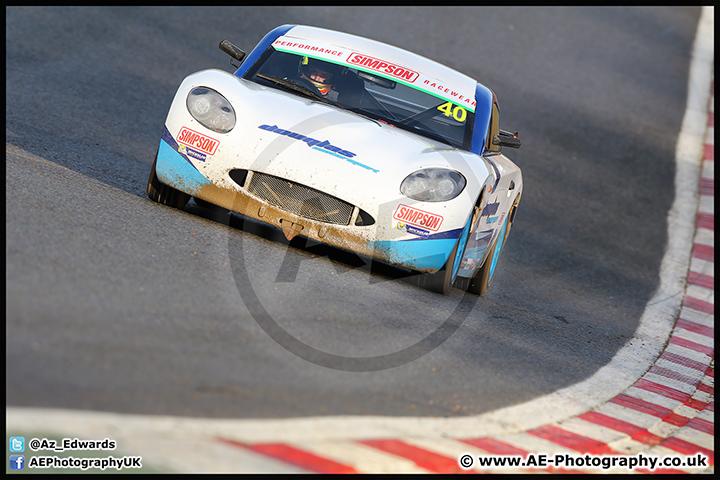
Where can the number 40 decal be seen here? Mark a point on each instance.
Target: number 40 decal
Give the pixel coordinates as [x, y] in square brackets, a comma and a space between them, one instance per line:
[458, 112]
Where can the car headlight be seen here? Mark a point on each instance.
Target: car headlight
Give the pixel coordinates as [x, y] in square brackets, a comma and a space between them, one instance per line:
[433, 185]
[211, 109]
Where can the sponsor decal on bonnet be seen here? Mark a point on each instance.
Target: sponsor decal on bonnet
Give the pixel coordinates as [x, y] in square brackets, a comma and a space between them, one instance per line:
[194, 154]
[198, 141]
[414, 230]
[321, 146]
[417, 217]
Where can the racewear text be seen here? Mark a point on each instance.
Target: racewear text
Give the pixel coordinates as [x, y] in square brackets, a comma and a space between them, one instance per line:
[452, 93]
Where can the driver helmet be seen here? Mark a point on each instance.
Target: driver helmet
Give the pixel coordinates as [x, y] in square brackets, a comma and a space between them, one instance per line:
[320, 73]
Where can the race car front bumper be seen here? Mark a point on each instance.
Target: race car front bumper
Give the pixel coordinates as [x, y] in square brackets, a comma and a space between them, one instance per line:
[420, 254]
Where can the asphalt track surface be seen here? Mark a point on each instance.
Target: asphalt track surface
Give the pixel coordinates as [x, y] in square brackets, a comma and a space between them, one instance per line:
[117, 304]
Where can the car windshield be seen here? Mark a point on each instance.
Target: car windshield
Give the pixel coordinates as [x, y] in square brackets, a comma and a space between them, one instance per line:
[367, 93]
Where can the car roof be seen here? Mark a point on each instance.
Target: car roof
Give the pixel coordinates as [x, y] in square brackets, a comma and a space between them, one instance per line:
[432, 76]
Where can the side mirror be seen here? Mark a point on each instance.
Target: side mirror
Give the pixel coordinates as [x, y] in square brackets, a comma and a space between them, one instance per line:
[506, 139]
[233, 51]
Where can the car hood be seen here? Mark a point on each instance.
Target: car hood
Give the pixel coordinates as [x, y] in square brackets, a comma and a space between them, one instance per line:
[360, 160]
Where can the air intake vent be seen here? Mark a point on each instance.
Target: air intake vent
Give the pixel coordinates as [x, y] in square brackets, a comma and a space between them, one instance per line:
[239, 176]
[299, 199]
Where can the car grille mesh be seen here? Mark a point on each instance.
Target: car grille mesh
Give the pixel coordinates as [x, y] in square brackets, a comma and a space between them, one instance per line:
[300, 200]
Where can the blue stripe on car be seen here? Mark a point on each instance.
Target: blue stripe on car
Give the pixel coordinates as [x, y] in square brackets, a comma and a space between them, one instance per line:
[483, 109]
[267, 40]
[176, 170]
[461, 248]
[450, 234]
[416, 254]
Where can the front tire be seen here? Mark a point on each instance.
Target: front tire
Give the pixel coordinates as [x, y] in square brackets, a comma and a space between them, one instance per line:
[165, 194]
[442, 280]
[480, 283]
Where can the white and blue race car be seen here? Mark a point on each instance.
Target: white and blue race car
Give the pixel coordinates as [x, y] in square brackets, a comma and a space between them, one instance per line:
[352, 143]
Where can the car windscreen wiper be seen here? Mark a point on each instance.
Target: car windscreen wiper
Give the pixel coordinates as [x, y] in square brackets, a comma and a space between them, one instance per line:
[297, 87]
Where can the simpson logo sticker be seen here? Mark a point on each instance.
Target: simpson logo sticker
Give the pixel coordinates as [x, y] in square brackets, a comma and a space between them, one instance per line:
[382, 66]
[417, 217]
[198, 141]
